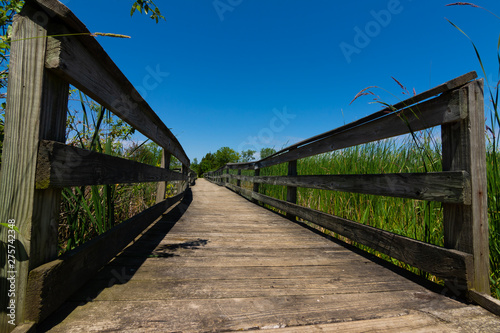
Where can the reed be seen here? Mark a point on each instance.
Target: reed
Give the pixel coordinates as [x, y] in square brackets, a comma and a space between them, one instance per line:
[89, 211]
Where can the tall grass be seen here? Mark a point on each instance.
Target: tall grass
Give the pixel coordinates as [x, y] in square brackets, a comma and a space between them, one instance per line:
[420, 220]
[89, 211]
[492, 155]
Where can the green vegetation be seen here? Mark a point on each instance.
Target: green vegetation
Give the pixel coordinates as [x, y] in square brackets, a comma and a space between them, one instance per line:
[493, 156]
[421, 220]
[9, 8]
[91, 210]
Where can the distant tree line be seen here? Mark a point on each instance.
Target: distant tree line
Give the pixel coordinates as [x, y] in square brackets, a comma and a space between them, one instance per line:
[213, 161]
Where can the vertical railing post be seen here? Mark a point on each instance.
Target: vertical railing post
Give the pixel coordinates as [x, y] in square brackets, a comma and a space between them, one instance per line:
[225, 180]
[291, 191]
[255, 184]
[36, 110]
[238, 181]
[162, 186]
[466, 226]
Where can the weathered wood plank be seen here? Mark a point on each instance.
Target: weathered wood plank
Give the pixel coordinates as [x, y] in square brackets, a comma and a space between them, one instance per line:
[60, 165]
[245, 287]
[291, 190]
[486, 301]
[246, 313]
[37, 104]
[51, 284]
[466, 227]
[88, 52]
[450, 187]
[447, 86]
[434, 112]
[433, 259]
[162, 186]
[72, 59]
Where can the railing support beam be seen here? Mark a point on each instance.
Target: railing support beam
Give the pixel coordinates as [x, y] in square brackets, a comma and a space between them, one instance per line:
[291, 191]
[162, 186]
[466, 226]
[37, 103]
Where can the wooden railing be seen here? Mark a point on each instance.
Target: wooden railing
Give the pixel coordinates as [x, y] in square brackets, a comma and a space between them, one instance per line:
[456, 106]
[37, 164]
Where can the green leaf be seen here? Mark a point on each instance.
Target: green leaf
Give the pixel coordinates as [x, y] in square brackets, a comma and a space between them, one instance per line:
[11, 226]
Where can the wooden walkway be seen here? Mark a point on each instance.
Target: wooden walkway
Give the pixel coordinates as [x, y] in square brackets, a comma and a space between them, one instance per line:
[217, 262]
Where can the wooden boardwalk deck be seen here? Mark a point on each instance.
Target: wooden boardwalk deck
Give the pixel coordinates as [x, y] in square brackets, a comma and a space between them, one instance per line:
[220, 263]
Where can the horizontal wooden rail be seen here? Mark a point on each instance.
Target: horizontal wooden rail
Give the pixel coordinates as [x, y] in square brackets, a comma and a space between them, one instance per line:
[459, 111]
[60, 165]
[81, 61]
[450, 187]
[408, 104]
[49, 285]
[36, 163]
[443, 88]
[444, 263]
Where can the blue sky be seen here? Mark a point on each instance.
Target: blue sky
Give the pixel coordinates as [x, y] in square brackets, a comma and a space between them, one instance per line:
[250, 74]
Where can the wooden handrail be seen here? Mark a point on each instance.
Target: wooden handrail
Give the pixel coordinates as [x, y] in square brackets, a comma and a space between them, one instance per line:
[37, 163]
[464, 261]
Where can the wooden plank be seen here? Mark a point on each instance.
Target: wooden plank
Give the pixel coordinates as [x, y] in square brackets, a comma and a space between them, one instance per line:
[244, 313]
[238, 181]
[37, 104]
[72, 59]
[440, 110]
[255, 184]
[291, 191]
[466, 227]
[450, 187]
[447, 86]
[436, 260]
[416, 322]
[486, 301]
[162, 186]
[60, 165]
[226, 293]
[51, 284]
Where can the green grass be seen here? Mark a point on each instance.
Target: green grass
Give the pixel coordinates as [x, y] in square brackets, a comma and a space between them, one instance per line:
[421, 220]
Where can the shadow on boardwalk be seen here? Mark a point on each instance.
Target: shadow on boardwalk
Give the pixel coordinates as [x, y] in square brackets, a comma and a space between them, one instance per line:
[219, 263]
[123, 268]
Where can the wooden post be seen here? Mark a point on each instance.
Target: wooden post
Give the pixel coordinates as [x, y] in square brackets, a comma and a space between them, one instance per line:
[238, 182]
[36, 109]
[291, 191]
[466, 226]
[256, 185]
[162, 186]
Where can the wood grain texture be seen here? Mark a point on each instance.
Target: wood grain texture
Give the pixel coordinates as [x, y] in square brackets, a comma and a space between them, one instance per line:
[52, 283]
[443, 88]
[291, 190]
[162, 186]
[36, 103]
[466, 226]
[437, 111]
[181, 277]
[65, 166]
[486, 301]
[433, 259]
[450, 187]
[72, 59]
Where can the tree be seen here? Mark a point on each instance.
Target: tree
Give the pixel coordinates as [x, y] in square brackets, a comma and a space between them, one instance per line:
[247, 155]
[266, 152]
[211, 162]
[148, 6]
[207, 163]
[226, 155]
[8, 9]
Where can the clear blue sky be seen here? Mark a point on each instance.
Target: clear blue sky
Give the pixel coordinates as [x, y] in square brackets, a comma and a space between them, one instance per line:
[266, 73]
